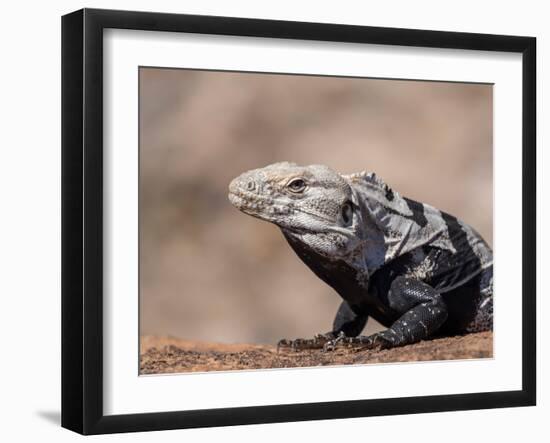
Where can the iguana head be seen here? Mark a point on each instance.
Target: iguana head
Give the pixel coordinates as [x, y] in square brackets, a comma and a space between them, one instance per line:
[313, 204]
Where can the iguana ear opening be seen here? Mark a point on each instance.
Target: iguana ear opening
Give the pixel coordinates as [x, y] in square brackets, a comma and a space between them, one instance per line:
[347, 213]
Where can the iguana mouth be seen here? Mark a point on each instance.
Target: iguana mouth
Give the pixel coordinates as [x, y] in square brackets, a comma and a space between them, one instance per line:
[250, 201]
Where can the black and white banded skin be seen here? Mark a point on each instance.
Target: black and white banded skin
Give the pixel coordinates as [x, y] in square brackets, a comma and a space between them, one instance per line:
[417, 270]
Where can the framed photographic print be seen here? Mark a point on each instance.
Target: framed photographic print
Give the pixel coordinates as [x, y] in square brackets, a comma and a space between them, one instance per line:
[262, 217]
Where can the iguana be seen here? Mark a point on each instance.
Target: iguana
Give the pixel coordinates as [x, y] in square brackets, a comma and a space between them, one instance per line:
[417, 270]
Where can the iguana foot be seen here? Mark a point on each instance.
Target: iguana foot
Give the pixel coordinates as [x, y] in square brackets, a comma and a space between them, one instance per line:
[301, 344]
[374, 341]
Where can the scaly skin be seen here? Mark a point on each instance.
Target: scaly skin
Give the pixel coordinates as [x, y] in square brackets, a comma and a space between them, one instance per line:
[415, 269]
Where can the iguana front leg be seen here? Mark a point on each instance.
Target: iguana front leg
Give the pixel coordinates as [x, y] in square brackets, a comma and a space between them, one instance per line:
[424, 311]
[346, 324]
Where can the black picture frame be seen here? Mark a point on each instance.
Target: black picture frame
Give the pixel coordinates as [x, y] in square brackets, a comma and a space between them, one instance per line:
[82, 220]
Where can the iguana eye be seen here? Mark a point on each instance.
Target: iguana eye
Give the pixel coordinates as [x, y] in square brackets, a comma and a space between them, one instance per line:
[296, 185]
[347, 213]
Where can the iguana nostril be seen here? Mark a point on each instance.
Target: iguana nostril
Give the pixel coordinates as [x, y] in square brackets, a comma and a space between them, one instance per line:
[251, 185]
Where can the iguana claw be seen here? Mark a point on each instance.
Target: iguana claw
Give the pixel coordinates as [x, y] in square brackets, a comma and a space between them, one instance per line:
[301, 344]
[374, 341]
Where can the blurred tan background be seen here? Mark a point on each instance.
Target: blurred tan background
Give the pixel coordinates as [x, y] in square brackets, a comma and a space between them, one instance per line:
[209, 272]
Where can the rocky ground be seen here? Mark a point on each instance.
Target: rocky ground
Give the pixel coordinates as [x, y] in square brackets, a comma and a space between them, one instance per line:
[161, 355]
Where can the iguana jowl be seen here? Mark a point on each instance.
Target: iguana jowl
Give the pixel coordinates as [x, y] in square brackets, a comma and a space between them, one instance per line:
[417, 270]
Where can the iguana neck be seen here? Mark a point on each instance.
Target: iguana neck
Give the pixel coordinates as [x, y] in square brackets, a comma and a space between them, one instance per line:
[383, 226]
